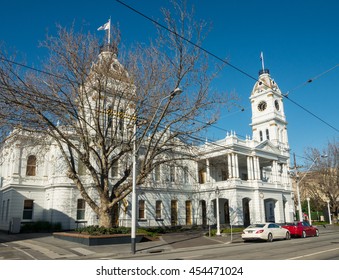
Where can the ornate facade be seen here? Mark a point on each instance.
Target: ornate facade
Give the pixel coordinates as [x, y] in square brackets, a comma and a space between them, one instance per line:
[239, 181]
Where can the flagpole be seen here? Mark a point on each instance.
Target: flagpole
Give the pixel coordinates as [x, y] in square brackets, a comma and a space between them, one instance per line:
[109, 31]
[262, 61]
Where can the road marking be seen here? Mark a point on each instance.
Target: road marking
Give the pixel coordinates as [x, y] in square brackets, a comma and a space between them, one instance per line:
[313, 254]
[220, 241]
[83, 251]
[49, 253]
[23, 251]
[3, 244]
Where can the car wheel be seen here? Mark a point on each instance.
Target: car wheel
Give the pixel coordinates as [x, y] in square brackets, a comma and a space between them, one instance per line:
[288, 236]
[270, 237]
[303, 234]
[316, 233]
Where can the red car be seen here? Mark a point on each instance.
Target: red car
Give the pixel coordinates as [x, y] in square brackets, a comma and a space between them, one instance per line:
[301, 229]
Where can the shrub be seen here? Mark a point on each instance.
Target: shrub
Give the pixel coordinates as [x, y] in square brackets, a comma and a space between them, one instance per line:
[96, 230]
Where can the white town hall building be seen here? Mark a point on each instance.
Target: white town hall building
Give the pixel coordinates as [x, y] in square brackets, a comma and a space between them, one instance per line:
[245, 179]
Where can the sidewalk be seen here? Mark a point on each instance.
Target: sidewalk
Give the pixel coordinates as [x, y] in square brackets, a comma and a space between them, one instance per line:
[45, 246]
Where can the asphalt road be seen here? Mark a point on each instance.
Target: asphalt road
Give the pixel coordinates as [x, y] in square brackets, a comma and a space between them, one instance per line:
[185, 246]
[324, 247]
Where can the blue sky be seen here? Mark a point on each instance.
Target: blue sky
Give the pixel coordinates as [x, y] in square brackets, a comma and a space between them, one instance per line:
[299, 39]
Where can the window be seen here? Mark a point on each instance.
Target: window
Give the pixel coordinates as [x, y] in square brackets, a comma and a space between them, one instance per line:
[81, 166]
[142, 209]
[121, 121]
[172, 174]
[81, 205]
[157, 173]
[158, 206]
[261, 137]
[186, 175]
[267, 134]
[174, 212]
[31, 166]
[28, 209]
[202, 176]
[188, 212]
[115, 169]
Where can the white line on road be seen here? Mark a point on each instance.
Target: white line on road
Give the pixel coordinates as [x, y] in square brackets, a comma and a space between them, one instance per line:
[28, 254]
[313, 254]
[83, 251]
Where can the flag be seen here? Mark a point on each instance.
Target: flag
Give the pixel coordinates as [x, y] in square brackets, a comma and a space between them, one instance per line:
[106, 26]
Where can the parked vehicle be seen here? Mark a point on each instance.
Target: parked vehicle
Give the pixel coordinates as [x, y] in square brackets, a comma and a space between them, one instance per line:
[301, 229]
[265, 231]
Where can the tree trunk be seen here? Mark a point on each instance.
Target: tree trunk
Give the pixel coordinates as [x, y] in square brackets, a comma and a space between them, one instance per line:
[106, 218]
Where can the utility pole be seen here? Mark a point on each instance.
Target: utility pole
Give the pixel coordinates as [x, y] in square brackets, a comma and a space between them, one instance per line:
[298, 191]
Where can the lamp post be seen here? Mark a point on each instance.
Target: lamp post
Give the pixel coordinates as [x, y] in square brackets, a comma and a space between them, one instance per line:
[309, 211]
[217, 192]
[134, 194]
[134, 169]
[298, 182]
[329, 212]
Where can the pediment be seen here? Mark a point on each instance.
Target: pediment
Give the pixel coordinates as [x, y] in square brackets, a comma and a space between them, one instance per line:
[267, 146]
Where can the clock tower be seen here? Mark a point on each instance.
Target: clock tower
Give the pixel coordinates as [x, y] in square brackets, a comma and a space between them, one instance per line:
[268, 117]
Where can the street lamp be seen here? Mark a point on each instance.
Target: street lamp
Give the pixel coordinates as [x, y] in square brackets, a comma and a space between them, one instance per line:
[134, 168]
[329, 212]
[217, 192]
[298, 182]
[309, 211]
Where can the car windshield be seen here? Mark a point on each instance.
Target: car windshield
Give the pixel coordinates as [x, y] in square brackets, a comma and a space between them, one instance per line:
[257, 226]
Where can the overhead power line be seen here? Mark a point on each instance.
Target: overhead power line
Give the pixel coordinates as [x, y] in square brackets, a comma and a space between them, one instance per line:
[313, 79]
[226, 62]
[187, 40]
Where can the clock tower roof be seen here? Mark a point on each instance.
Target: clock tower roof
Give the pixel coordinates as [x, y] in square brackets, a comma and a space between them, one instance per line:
[264, 83]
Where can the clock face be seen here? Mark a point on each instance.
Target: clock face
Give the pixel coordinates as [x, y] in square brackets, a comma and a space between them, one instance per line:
[276, 104]
[262, 106]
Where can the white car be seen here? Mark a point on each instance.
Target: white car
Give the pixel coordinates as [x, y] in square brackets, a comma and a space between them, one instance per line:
[265, 231]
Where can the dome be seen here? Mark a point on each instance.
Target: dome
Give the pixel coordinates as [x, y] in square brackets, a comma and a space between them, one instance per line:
[264, 83]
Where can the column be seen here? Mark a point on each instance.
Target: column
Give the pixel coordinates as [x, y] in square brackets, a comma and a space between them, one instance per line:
[234, 172]
[207, 170]
[274, 171]
[249, 169]
[17, 161]
[236, 165]
[284, 175]
[229, 160]
[256, 168]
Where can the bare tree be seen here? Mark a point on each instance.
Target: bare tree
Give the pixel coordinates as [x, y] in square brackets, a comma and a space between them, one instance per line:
[321, 183]
[94, 107]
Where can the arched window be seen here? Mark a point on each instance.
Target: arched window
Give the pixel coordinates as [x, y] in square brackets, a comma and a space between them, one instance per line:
[31, 166]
